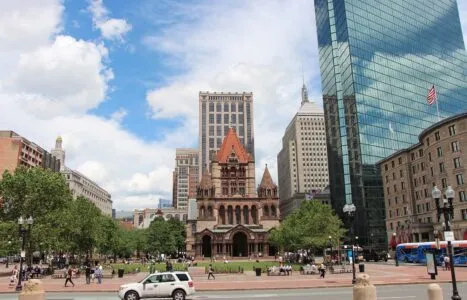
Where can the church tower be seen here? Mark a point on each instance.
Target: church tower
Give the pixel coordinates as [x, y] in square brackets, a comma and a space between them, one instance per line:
[59, 152]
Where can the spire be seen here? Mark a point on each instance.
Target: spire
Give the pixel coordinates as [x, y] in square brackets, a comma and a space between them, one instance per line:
[304, 93]
[58, 143]
[266, 181]
[205, 182]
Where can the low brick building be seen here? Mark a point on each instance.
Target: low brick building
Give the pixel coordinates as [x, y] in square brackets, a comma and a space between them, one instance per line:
[409, 176]
[234, 219]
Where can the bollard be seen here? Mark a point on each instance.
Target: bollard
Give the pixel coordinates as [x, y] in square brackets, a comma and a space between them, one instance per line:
[363, 289]
[32, 290]
[435, 292]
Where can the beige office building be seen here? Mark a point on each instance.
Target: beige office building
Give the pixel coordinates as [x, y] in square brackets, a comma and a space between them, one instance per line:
[185, 177]
[302, 161]
[409, 176]
[80, 185]
[217, 113]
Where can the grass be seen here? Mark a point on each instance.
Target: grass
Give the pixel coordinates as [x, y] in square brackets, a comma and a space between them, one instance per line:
[219, 266]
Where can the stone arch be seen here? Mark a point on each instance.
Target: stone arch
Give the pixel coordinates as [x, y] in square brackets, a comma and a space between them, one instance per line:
[273, 211]
[240, 244]
[140, 219]
[266, 211]
[238, 214]
[254, 214]
[230, 214]
[202, 212]
[169, 216]
[177, 217]
[222, 215]
[246, 215]
[210, 212]
[206, 245]
[185, 217]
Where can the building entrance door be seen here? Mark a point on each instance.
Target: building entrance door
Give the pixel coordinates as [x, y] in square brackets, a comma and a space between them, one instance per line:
[240, 244]
[206, 250]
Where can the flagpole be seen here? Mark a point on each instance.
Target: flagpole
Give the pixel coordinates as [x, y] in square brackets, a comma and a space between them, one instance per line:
[437, 108]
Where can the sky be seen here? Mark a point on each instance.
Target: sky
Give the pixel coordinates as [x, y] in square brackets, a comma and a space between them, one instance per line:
[118, 80]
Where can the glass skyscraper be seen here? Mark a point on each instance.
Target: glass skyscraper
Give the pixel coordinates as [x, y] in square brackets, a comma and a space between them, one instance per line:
[378, 58]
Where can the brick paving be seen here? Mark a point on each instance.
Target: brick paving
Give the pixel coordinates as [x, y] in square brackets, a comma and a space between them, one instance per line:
[380, 274]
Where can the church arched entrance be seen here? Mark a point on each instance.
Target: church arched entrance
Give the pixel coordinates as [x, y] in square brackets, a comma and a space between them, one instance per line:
[240, 244]
[206, 246]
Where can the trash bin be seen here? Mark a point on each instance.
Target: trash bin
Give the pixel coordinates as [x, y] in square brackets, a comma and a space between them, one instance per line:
[258, 271]
[361, 268]
[120, 273]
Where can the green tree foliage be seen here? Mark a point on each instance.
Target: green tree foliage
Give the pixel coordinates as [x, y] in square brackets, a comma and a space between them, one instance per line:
[165, 237]
[32, 192]
[309, 227]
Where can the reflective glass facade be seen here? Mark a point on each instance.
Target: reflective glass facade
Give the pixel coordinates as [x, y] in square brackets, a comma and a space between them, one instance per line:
[378, 59]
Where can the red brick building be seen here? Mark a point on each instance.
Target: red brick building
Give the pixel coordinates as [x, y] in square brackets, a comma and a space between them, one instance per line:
[234, 218]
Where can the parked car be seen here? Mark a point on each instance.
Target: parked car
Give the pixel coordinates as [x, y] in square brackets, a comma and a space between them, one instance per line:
[375, 255]
[175, 285]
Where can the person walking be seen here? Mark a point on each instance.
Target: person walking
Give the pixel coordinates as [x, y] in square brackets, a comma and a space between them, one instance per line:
[98, 273]
[69, 274]
[211, 272]
[322, 271]
[87, 271]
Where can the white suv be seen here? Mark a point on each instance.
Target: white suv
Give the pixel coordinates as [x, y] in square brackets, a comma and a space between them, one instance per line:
[175, 285]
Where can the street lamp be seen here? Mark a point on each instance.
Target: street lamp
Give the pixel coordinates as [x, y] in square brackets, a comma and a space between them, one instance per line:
[448, 213]
[395, 252]
[8, 254]
[330, 256]
[349, 210]
[22, 231]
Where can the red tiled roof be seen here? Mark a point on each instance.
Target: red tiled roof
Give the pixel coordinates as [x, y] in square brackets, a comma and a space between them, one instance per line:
[266, 181]
[232, 143]
[206, 182]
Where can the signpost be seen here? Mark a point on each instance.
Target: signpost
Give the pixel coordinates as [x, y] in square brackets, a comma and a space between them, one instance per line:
[431, 265]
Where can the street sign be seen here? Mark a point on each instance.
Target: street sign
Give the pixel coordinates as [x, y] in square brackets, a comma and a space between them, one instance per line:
[449, 236]
[23, 253]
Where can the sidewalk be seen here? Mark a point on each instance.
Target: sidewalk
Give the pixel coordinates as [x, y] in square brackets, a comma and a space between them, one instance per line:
[380, 274]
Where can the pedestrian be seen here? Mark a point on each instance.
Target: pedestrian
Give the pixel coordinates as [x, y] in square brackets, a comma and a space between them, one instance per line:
[322, 271]
[69, 274]
[87, 271]
[211, 273]
[98, 273]
[447, 263]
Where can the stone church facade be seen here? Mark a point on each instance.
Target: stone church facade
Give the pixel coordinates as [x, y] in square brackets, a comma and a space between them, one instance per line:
[234, 218]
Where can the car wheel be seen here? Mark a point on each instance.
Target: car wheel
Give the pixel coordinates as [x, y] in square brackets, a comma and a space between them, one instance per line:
[178, 295]
[131, 295]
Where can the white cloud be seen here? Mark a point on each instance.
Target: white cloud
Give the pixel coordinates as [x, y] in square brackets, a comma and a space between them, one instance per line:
[47, 86]
[256, 46]
[111, 28]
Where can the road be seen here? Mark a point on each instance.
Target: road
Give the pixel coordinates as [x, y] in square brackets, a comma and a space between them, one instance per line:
[409, 292]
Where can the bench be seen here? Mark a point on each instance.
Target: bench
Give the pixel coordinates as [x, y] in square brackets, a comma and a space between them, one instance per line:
[278, 271]
[306, 270]
[57, 274]
[109, 274]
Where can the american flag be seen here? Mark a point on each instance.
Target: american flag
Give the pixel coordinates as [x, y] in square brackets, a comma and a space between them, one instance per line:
[431, 97]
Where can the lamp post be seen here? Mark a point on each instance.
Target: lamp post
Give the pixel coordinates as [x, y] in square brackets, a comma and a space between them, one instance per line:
[395, 252]
[22, 231]
[448, 213]
[330, 255]
[349, 210]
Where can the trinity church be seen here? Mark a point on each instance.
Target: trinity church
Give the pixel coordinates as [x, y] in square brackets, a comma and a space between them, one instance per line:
[234, 218]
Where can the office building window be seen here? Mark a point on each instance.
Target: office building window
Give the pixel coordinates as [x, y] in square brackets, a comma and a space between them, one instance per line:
[226, 107]
[226, 119]
[211, 130]
[444, 183]
[464, 214]
[457, 162]
[218, 107]
[437, 136]
[211, 118]
[400, 160]
[462, 196]
[441, 167]
[219, 118]
[211, 107]
[439, 151]
[455, 146]
[211, 142]
[428, 141]
[460, 179]
[452, 130]
[233, 107]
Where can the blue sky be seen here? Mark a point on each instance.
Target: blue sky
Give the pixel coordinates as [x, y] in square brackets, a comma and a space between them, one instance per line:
[119, 79]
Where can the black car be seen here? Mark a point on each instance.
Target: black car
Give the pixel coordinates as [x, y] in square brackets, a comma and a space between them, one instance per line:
[374, 255]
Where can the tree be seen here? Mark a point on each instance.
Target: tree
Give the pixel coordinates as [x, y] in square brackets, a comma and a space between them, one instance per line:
[177, 227]
[165, 237]
[32, 192]
[309, 227]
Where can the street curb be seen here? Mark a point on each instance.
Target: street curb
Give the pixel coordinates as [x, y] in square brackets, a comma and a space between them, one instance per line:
[104, 290]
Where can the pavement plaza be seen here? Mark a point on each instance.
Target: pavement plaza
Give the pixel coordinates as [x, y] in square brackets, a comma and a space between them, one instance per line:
[380, 274]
